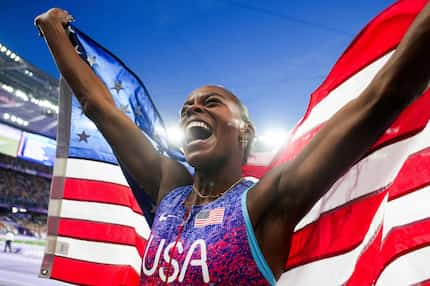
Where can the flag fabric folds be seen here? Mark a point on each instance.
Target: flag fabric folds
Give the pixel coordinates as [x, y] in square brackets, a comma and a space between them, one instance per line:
[97, 226]
[371, 228]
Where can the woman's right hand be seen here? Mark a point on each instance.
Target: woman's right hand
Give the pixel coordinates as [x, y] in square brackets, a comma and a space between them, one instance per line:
[52, 17]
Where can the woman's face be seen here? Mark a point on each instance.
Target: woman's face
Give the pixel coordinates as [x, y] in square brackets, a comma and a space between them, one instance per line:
[210, 118]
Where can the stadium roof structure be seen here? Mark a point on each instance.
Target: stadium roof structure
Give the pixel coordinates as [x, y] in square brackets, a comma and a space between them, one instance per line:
[28, 96]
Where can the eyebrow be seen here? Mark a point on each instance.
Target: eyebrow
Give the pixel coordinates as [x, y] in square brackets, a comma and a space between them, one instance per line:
[204, 95]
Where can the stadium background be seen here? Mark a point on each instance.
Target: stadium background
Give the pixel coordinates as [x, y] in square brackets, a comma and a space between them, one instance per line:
[28, 125]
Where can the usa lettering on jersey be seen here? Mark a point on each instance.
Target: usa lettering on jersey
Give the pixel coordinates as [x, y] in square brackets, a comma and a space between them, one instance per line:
[179, 271]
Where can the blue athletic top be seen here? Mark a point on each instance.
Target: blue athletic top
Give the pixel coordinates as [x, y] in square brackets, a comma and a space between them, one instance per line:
[212, 244]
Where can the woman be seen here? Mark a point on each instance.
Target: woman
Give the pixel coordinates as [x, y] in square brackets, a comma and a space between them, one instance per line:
[216, 227]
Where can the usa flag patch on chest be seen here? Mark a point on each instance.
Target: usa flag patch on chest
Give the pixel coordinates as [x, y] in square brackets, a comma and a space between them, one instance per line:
[209, 217]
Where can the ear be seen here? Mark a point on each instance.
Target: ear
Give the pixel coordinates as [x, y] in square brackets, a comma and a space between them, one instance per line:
[246, 132]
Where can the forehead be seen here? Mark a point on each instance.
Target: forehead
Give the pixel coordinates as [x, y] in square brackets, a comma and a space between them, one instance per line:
[206, 91]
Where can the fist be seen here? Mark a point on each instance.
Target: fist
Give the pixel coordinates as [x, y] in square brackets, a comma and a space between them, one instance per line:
[53, 16]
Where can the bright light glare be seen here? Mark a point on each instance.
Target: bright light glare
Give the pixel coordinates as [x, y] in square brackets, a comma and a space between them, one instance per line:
[21, 94]
[6, 116]
[3, 49]
[273, 138]
[175, 135]
[8, 52]
[7, 88]
[14, 210]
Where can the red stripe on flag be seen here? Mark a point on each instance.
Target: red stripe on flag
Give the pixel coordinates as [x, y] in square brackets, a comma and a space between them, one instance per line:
[412, 120]
[381, 35]
[335, 232]
[90, 273]
[98, 191]
[365, 268]
[400, 241]
[422, 283]
[404, 239]
[103, 232]
[414, 174]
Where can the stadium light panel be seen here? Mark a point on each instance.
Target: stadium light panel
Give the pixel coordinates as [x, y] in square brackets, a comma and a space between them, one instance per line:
[21, 94]
[12, 56]
[14, 210]
[8, 52]
[6, 116]
[17, 59]
[8, 88]
[3, 49]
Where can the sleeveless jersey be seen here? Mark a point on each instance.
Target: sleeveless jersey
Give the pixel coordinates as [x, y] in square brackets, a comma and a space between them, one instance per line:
[212, 244]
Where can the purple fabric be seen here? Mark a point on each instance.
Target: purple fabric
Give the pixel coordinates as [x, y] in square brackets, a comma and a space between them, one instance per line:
[217, 254]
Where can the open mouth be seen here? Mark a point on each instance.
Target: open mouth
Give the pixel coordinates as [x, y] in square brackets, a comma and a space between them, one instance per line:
[197, 131]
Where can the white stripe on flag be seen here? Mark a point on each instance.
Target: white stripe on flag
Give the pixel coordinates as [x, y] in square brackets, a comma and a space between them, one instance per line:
[340, 96]
[98, 252]
[370, 174]
[407, 269]
[90, 170]
[328, 271]
[407, 209]
[101, 212]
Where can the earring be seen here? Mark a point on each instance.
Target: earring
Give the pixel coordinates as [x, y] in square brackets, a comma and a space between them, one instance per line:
[243, 137]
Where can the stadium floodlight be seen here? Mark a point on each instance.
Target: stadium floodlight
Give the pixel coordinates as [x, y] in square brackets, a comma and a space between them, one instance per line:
[8, 88]
[3, 49]
[6, 116]
[19, 93]
[8, 52]
[175, 135]
[12, 56]
[273, 138]
[22, 210]
[13, 118]
[14, 210]
[17, 59]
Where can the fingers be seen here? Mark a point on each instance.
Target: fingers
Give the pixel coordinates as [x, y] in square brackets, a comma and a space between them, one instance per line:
[53, 16]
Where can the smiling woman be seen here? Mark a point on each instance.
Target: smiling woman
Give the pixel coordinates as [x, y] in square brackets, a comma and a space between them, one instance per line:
[218, 227]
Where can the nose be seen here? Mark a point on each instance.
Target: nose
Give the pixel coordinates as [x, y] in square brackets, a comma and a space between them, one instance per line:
[195, 108]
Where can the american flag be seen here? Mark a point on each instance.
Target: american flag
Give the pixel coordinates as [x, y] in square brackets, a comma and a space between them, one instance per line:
[97, 226]
[371, 228]
[209, 217]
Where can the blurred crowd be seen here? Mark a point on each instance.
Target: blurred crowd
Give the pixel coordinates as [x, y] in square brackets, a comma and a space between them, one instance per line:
[24, 184]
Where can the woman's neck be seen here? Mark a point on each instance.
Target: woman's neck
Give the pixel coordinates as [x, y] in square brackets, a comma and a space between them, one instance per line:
[207, 186]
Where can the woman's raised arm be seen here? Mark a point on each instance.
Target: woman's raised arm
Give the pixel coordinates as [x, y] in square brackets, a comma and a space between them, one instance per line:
[155, 173]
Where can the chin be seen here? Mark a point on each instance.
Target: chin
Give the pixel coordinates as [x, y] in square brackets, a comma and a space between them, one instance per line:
[205, 160]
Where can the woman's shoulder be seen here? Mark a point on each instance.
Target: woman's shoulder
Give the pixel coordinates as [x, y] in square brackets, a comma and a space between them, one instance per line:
[178, 193]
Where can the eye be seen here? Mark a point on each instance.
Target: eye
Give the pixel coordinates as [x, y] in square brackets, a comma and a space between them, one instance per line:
[212, 101]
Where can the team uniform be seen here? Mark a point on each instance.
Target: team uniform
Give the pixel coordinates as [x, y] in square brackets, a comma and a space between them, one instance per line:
[212, 244]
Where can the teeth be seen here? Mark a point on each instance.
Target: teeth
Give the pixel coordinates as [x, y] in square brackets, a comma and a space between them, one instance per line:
[198, 124]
